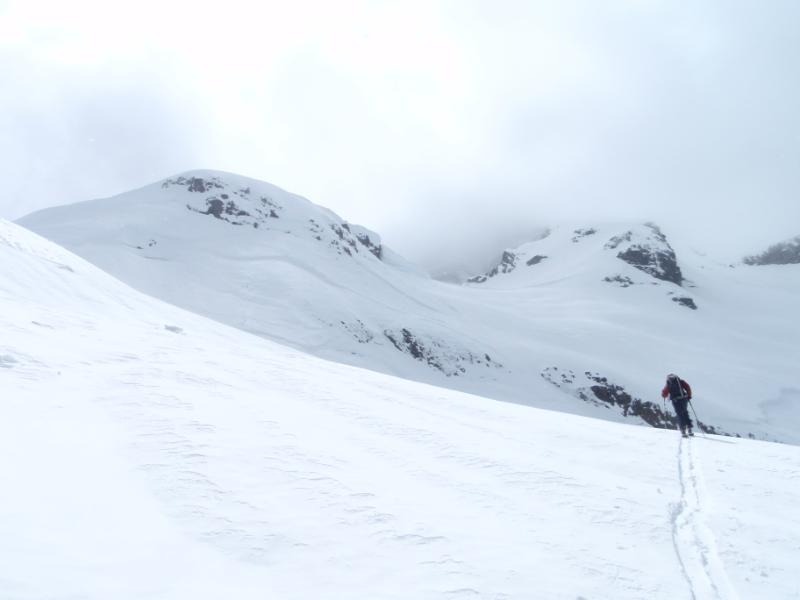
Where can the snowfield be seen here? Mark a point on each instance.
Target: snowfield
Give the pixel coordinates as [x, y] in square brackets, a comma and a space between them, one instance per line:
[588, 320]
[150, 453]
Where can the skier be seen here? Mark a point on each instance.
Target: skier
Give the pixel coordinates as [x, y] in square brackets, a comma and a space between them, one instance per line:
[680, 393]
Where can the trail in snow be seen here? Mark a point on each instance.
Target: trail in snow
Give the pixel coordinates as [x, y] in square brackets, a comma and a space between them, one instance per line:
[694, 541]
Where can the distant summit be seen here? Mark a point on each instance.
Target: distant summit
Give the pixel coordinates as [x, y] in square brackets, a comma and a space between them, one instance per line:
[643, 247]
[783, 253]
[649, 251]
[251, 206]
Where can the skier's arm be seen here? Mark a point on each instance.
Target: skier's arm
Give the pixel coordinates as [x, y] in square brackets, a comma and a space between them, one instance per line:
[665, 391]
[687, 388]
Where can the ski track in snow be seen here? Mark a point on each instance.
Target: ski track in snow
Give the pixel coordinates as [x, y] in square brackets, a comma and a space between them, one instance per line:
[694, 541]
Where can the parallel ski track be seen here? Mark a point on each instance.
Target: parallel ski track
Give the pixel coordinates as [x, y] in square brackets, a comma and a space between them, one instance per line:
[695, 545]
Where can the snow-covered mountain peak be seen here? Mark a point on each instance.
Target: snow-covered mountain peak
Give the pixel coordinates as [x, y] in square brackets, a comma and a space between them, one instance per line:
[213, 205]
[571, 250]
[242, 201]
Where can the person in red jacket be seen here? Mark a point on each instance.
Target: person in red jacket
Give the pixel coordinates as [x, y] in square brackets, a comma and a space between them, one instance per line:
[680, 393]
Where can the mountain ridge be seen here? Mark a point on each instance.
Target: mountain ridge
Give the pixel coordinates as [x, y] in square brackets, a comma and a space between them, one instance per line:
[587, 299]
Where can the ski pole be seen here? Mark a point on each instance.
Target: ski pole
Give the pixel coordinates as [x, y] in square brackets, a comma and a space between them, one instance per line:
[699, 425]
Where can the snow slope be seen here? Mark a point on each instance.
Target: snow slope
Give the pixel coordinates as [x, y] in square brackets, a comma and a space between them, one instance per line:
[147, 452]
[587, 320]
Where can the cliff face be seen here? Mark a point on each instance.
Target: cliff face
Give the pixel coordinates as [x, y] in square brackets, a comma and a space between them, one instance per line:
[648, 250]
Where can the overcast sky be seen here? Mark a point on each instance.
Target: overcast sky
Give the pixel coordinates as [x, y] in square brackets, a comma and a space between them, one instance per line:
[449, 127]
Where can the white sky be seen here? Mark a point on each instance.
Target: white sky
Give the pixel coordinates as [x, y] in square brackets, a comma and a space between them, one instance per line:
[449, 127]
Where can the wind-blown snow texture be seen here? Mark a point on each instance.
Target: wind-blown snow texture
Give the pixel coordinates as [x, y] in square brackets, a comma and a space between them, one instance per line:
[147, 452]
[587, 320]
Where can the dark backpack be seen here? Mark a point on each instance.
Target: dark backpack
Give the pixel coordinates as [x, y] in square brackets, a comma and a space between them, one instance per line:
[675, 388]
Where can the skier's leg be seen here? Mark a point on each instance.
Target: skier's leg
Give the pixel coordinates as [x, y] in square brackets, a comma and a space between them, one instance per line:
[676, 404]
[687, 418]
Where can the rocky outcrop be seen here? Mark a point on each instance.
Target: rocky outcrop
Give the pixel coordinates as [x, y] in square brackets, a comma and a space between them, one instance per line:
[685, 301]
[649, 252]
[358, 330]
[535, 260]
[599, 391]
[620, 280]
[349, 238]
[368, 239]
[194, 184]
[215, 197]
[508, 262]
[582, 233]
[236, 206]
[438, 354]
[784, 253]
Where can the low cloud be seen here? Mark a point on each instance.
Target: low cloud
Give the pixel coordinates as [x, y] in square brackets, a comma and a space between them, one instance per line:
[454, 129]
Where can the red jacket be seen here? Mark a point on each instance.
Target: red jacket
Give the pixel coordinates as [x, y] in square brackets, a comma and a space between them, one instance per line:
[684, 385]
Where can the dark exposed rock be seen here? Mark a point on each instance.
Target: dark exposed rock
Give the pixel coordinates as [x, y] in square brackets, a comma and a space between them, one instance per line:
[365, 240]
[595, 389]
[269, 204]
[508, 262]
[346, 241]
[684, 301]
[615, 241]
[535, 260]
[315, 227]
[194, 184]
[218, 208]
[214, 207]
[348, 238]
[661, 265]
[150, 244]
[615, 395]
[358, 330]
[228, 210]
[620, 279]
[784, 253]
[581, 233]
[656, 257]
[437, 353]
